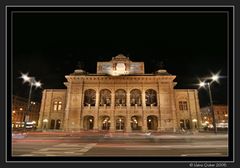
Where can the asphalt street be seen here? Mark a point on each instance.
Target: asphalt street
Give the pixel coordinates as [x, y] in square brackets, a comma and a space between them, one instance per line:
[118, 144]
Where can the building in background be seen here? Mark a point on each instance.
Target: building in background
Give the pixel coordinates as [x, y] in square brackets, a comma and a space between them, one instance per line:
[19, 106]
[120, 97]
[221, 116]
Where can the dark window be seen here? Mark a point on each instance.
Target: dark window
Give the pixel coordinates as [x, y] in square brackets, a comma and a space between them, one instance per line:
[151, 97]
[105, 97]
[183, 105]
[89, 97]
[135, 97]
[120, 97]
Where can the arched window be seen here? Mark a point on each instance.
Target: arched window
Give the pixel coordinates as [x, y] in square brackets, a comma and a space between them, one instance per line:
[105, 97]
[120, 97]
[89, 97]
[135, 97]
[151, 97]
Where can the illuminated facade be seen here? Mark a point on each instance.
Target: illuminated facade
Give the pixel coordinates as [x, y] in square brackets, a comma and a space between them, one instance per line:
[120, 97]
[220, 113]
[19, 107]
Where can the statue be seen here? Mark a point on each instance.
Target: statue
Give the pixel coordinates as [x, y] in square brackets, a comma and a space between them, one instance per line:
[80, 65]
[160, 65]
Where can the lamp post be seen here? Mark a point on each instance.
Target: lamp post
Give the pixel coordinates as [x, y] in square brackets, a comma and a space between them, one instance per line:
[32, 82]
[208, 84]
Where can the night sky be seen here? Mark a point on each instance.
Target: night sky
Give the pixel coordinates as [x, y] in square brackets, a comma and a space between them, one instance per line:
[50, 45]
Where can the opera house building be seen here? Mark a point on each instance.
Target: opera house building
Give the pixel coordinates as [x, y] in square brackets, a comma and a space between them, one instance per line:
[120, 97]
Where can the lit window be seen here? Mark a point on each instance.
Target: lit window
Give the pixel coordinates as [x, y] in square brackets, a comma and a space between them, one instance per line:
[57, 106]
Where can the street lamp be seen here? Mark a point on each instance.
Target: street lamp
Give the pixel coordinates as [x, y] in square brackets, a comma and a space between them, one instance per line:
[195, 123]
[32, 82]
[45, 121]
[208, 84]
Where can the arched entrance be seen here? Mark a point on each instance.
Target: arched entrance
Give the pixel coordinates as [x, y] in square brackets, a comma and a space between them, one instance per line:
[88, 122]
[136, 122]
[152, 123]
[105, 122]
[120, 121]
[52, 124]
[58, 124]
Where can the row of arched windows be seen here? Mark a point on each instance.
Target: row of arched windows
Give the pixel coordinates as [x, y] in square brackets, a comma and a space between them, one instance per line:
[120, 97]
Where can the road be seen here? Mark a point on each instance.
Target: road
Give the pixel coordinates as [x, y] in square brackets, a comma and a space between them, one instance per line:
[120, 144]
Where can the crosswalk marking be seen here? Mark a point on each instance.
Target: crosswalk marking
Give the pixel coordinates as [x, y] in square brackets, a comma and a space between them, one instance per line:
[63, 149]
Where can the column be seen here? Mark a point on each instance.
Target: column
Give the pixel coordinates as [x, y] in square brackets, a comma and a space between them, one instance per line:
[112, 117]
[128, 119]
[67, 108]
[113, 99]
[144, 124]
[128, 99]
[172, 98]
[40, 121]
[97, 100]
[112, 126]
[144, 119]
[128, 126]
[95, 126]
[198, 113]
[143, 99]
[190, 111]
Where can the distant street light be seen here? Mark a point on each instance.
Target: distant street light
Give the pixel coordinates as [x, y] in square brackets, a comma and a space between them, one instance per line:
[208, 84]
[32, 82]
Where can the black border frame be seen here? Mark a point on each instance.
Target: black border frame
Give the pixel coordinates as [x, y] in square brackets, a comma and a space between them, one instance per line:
[231, 52]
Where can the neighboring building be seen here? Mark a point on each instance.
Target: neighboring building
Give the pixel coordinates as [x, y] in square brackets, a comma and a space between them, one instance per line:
[120, 97]
[220, 113]
[19, 106]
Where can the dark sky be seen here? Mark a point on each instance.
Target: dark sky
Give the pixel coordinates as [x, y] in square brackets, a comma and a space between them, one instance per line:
[50, 45]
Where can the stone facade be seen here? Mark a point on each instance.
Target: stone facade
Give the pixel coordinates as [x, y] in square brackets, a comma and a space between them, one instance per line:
[120, 97]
